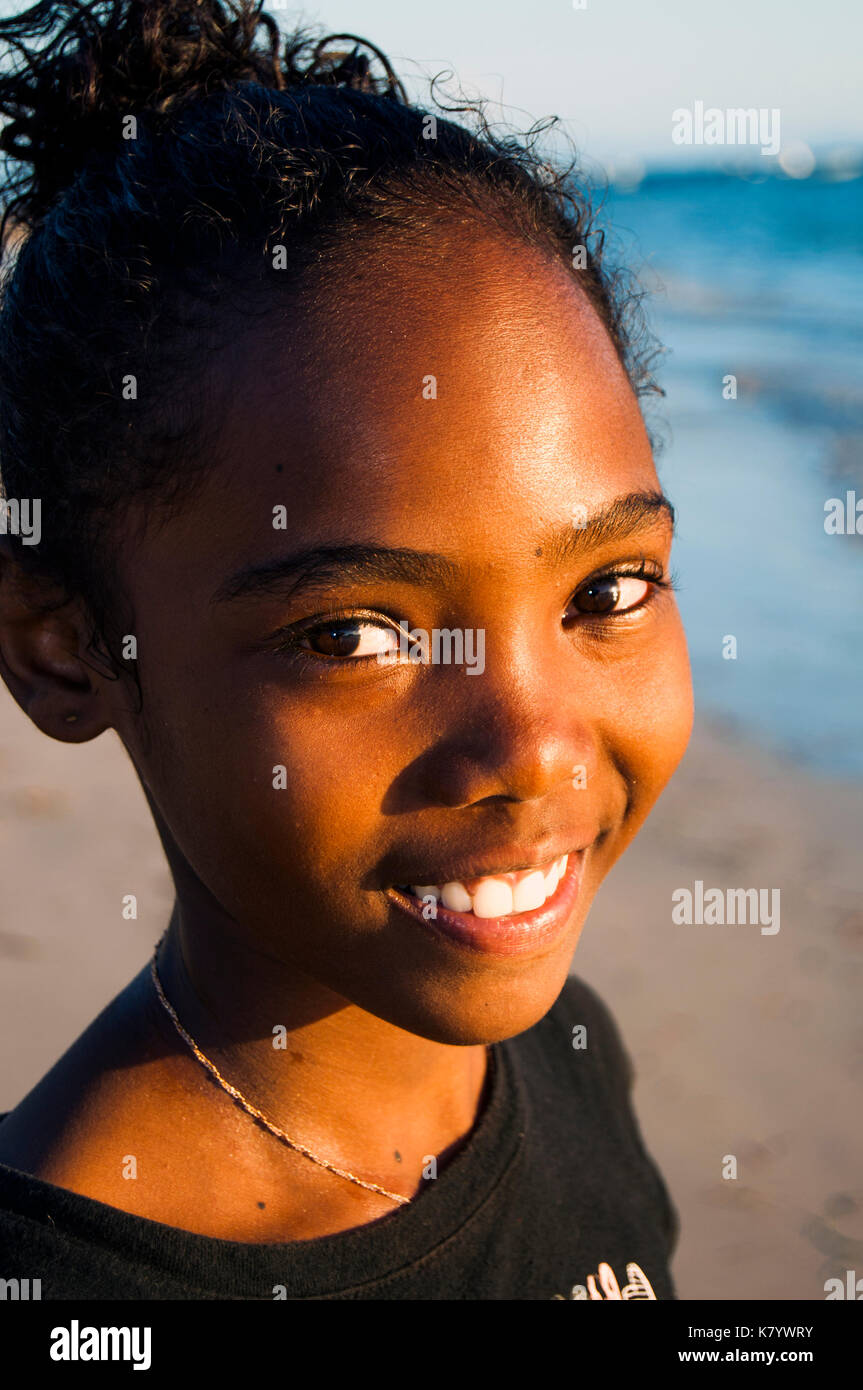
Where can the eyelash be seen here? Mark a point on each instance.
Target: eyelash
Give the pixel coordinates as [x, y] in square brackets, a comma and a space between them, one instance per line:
[288, 644]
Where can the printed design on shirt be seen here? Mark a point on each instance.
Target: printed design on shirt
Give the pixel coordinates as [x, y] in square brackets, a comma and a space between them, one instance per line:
[639, 1285]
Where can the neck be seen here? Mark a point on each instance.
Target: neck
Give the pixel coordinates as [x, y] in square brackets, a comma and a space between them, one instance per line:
[335, 1077]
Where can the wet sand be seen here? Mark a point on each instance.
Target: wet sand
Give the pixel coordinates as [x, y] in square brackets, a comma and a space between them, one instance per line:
[744, 1043]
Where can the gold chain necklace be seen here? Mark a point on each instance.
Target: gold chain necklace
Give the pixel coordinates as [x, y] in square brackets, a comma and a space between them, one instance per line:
[252, 1109]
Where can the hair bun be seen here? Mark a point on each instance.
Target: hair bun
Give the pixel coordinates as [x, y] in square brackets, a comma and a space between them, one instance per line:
[65, 99]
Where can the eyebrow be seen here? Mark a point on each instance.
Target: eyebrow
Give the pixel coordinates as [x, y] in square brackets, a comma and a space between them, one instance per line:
[322, 566]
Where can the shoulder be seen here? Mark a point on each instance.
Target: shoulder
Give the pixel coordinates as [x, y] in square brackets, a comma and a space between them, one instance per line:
[606, 1074]
[81, 1108]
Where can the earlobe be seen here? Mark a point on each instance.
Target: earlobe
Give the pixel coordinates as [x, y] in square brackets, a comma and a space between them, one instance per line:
[48, 708]
[41, 660]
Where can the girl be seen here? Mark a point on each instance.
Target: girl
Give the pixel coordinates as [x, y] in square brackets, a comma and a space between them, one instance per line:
[321, 398]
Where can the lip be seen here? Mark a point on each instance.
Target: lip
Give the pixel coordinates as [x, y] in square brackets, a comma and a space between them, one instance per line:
[519, 934]
[507, 860]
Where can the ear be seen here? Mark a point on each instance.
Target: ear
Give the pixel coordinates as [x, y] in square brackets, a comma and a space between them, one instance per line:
[45, 658]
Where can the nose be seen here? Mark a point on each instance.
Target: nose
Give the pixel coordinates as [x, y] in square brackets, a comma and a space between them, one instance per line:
[515, 737]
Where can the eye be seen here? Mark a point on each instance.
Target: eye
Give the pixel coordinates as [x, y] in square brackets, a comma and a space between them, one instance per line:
[612, 594]
[359, 638]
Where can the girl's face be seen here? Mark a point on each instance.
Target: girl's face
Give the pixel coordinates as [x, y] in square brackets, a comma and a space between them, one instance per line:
[462, 403]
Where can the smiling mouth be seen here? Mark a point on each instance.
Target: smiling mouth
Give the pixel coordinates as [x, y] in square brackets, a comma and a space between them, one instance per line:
[498, 895]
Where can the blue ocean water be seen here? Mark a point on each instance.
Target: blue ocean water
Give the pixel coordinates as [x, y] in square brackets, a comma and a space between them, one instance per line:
[762, 280]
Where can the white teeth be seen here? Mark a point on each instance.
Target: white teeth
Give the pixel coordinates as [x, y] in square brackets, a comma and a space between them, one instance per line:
[496, 897]
[456, 897]
[530, 893]
[493, 898]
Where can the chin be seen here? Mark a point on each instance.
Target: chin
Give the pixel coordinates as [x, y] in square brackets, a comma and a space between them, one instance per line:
[472, 1011]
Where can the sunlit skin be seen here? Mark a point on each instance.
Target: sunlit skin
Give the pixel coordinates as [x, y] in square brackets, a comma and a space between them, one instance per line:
[282, 916]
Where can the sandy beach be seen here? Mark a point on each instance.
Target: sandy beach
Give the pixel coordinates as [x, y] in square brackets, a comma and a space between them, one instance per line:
[744, 1043]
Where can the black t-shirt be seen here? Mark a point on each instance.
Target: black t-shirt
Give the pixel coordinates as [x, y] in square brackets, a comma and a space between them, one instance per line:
[553, 1196]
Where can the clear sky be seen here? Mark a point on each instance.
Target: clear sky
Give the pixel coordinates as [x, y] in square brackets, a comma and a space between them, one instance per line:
[617, 69]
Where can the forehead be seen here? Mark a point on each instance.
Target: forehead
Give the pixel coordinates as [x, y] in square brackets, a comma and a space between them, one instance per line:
[449, 354]
[449, 395]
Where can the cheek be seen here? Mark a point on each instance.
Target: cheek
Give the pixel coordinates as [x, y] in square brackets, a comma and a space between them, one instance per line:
[265, 796]
[651, 737]
[308, 776]
[328, 799]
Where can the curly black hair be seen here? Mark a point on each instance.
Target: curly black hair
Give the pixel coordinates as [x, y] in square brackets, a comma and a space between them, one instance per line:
[156, 154]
